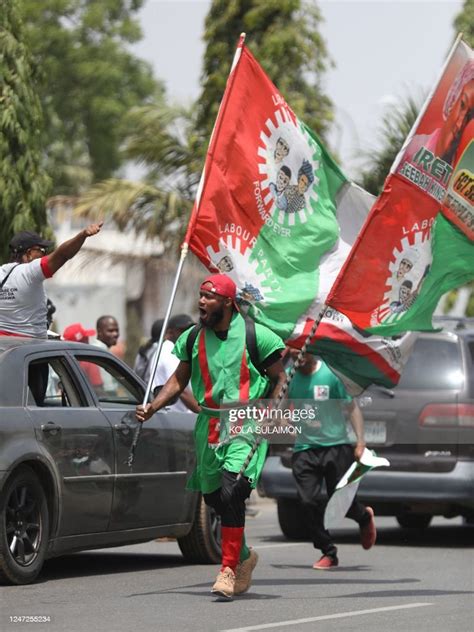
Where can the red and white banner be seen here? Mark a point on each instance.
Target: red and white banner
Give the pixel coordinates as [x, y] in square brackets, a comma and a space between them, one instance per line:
[387, 284]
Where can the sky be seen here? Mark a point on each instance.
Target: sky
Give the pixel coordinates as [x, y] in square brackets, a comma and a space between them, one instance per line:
[382, 49]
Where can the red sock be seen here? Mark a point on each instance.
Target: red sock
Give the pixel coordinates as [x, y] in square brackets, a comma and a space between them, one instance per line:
[231, 544]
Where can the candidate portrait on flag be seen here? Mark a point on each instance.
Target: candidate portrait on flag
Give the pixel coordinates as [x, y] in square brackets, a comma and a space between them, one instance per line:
[422, 255]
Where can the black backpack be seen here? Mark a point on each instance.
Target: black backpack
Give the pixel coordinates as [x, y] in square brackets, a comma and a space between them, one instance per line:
[250, 343]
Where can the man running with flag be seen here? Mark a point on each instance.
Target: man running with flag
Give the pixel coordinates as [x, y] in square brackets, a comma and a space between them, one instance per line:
[228, 360]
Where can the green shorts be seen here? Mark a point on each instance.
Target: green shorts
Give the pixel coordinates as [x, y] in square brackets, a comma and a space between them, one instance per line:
[210, 461]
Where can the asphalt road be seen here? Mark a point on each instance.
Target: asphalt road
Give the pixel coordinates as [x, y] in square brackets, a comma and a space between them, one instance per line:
[422, 582]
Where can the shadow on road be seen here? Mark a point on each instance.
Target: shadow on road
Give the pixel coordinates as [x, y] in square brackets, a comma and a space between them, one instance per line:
[105, 563]
[332, 577]
[405, 593]
[447, 537]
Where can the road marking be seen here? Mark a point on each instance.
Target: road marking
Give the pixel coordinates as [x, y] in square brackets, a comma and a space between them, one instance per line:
[274, 546]
[341, 615]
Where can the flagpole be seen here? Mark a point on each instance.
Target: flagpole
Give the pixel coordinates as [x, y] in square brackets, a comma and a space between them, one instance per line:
[214, 134]
[284, 389]
[185, 245]
[156, 355]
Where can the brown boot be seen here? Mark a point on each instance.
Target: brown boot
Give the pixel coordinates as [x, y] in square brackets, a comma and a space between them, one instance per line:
[224, 584]
[243, 573]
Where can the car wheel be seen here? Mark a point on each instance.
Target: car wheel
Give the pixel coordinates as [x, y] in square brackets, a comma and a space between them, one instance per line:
[292, 519]
[24, 527]
[202, 545]
[414, 521]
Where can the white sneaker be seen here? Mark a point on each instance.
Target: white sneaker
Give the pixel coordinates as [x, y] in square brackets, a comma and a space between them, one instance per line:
[224, 584]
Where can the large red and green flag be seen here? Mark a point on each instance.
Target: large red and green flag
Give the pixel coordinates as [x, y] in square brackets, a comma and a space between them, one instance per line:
[276, 213]
[417, 242]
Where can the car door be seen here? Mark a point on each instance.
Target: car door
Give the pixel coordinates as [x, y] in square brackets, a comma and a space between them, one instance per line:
[152, 491]
[78, 438]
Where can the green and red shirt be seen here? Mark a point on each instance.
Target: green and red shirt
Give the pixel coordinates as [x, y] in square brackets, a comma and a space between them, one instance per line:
[222, 372]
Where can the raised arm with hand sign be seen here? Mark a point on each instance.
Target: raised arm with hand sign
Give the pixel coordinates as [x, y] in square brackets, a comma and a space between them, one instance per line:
[23, 308]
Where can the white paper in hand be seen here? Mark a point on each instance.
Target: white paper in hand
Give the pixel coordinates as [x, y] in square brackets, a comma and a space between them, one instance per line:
[346, 489]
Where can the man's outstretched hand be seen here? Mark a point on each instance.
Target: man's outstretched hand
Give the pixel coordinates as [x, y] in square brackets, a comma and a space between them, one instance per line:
[93, 229]
[143, 413]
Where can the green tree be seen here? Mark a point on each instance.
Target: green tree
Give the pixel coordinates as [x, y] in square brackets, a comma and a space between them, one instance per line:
[464, 22]
[89, 81]
[158, 139]
[170, 141]
[395, 127]
[284, 36]
[24, 184]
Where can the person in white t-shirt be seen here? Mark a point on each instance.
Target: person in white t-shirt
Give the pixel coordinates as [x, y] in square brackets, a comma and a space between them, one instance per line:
[168, 362]
[23, 309]
[108, 333]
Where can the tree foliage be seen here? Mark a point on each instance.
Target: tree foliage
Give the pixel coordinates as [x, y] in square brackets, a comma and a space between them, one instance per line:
[170, 141]
[159, 139]
[395, 127]
[161, 136]
[89, 81]
[24, 184]
[464, 22]
[284, 36]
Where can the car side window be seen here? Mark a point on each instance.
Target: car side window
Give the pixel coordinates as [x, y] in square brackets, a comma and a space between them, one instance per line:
[50, 385]
[112, 386]
[433, 365]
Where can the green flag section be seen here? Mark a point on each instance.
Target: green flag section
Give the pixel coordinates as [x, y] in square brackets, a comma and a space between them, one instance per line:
[452, 265]
[292, 245]
[407, 254]
[277, 214]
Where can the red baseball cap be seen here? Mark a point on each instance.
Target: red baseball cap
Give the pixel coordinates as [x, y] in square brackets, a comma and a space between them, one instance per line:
[77, 333]
[220, 284]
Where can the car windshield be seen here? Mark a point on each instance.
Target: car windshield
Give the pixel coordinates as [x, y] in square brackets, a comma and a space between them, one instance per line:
[433, 365]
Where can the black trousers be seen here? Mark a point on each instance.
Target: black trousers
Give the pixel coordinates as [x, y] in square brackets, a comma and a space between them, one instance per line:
[229, 500]
[313, 467]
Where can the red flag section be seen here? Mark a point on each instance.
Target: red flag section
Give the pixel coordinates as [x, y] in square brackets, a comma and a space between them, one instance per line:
[393, 242]
[233, 160]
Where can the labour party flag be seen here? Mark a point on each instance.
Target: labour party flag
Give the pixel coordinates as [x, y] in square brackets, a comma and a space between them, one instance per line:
[408, 254]
[275, 212]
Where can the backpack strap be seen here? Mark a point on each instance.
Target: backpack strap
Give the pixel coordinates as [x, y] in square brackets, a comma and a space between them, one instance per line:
[250, 343]
[193, 334]
[5, 279]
